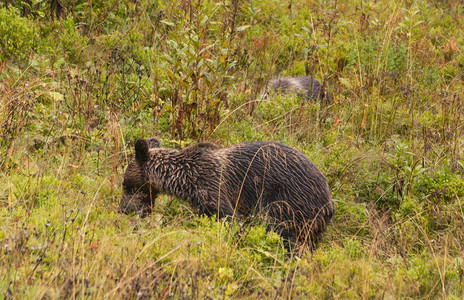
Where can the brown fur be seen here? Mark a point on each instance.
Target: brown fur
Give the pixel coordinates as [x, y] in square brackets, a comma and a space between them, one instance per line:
[265, 178]
[309, 88]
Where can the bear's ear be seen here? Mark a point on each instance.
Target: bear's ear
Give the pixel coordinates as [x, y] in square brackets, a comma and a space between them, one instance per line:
[141, 150]
[154, 142]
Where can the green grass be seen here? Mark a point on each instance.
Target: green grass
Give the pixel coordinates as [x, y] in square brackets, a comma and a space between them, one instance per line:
[81, 81]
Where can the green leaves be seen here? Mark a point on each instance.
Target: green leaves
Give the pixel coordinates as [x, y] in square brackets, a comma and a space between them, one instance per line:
[16, 35]
[411, 23]
[197, 69]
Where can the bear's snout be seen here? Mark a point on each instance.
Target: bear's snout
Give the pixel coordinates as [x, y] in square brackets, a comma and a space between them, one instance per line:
[135, 203]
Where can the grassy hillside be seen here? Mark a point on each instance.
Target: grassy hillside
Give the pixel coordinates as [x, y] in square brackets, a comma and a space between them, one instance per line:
[80, 81]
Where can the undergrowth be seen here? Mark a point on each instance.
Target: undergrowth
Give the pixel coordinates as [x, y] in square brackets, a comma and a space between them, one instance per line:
[81, 81]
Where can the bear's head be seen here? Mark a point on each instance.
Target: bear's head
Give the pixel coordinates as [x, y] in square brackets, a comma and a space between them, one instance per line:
[137, 194]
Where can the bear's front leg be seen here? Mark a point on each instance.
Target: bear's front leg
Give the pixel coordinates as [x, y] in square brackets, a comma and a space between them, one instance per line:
[209, 205]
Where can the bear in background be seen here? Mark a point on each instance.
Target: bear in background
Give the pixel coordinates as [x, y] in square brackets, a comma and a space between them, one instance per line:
[309, 88]
[268, 179]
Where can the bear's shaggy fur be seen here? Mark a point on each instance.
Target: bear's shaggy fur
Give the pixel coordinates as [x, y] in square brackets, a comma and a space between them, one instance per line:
[309, 88]
[265, 178]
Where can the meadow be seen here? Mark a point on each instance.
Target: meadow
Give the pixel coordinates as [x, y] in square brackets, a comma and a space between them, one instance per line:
[81, 81]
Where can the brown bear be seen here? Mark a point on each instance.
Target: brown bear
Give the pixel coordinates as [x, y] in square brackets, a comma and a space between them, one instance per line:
[269, 179]
[309, 88]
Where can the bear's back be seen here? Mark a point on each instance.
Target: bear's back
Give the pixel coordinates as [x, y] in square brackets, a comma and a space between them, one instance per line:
[270, 156]
[271, 171]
